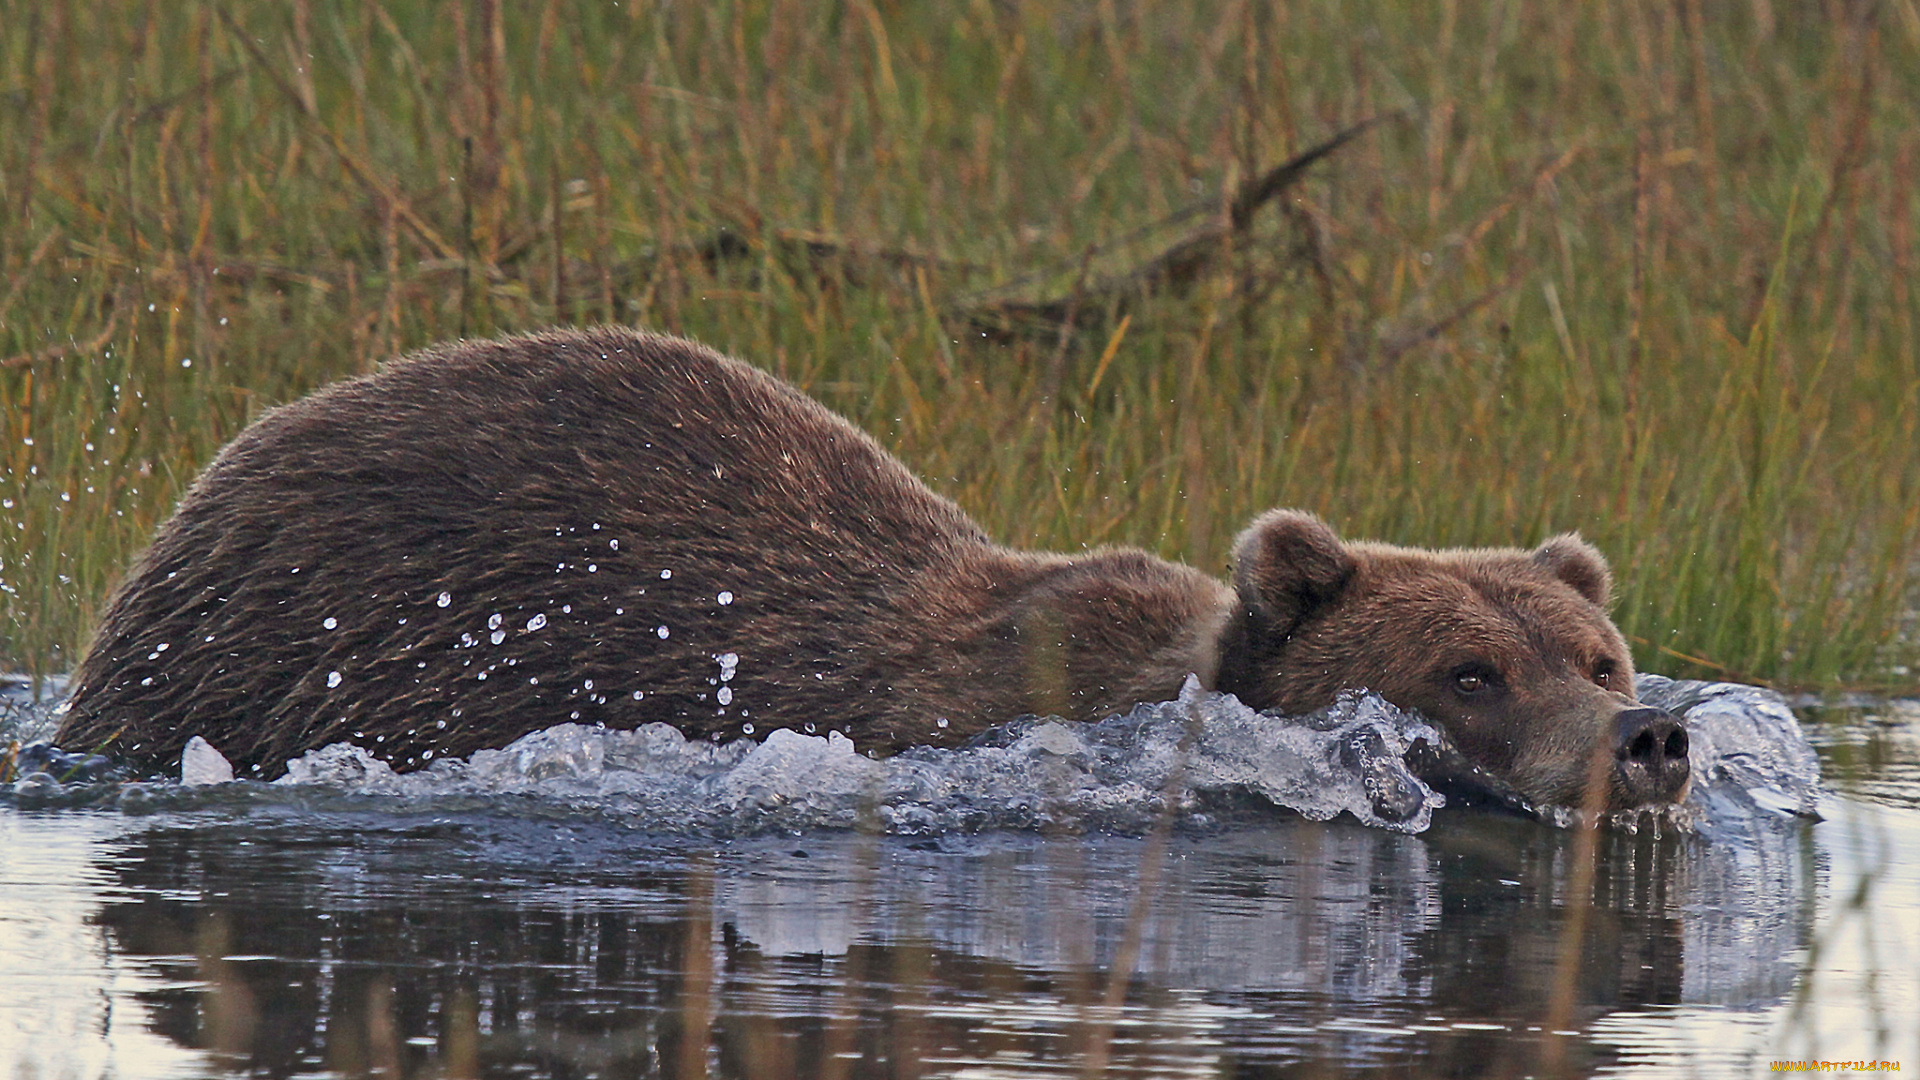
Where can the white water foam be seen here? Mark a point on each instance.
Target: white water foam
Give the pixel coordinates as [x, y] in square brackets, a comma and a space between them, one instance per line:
[1203, 750]
[1207, 753]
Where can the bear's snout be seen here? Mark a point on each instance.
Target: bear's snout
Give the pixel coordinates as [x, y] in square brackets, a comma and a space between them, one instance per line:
[1651, 755]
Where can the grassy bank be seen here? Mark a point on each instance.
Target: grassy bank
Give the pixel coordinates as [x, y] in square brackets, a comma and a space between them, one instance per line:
[1645, 272]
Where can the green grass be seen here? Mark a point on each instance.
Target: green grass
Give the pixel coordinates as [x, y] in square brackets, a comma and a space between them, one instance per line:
[1645, 272]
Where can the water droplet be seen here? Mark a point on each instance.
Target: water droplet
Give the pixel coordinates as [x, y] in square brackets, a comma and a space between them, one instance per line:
[746, 728]
[614, 544]
[725, 598]
[444, 599]
[162, 647]
[638, 694]
[441, 724]
[725, 696]
[663, 632]
[333, 679]
[593, 568]
[497, 636]
[533, 681]
[810, 728]
[493, 621]
[665, 574]
[537, 622]
[942, 722]
[482, 676]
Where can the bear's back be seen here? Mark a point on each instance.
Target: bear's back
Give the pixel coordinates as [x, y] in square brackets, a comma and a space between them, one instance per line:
[603, 526]
[463, 431]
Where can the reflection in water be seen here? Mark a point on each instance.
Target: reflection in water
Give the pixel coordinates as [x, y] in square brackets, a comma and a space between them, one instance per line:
[292, 942]
[67, 993]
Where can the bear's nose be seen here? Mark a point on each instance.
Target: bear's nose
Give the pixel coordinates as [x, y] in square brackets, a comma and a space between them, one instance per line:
[1652, 755]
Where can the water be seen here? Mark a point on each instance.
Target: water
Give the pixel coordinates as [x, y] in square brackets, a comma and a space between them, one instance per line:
[512, 920]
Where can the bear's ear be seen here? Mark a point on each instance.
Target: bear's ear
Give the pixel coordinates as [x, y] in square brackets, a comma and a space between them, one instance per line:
[1288, 563]
[1579, 564]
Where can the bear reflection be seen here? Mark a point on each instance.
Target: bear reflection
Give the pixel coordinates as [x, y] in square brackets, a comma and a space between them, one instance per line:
[477, 947]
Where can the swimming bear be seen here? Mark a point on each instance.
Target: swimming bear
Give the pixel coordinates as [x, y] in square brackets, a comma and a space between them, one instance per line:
[614, 527]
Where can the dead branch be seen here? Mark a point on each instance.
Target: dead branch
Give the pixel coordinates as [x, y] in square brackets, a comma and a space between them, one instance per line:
[1177, 267]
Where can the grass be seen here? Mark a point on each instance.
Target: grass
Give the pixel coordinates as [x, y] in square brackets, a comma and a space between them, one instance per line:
[1645, 272]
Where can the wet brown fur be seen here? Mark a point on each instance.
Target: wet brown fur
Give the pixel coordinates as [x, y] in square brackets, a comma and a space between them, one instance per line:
[1321, 614]
[572, 493]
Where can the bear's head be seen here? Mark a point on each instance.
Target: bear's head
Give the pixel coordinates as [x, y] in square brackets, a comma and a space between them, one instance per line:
[1510, 652]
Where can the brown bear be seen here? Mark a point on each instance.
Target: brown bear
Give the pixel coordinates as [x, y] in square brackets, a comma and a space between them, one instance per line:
[608, 526]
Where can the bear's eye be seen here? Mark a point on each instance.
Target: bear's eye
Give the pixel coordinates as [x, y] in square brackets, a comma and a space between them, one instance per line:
[1604, 673]
[1470, 681]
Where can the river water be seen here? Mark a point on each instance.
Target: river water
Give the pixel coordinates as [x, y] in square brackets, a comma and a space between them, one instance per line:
[503, 927]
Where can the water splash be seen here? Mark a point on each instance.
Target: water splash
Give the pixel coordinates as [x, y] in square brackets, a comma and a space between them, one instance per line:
[1751, 763]
[201, 764]
[1207, 752]
[1204, 757]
